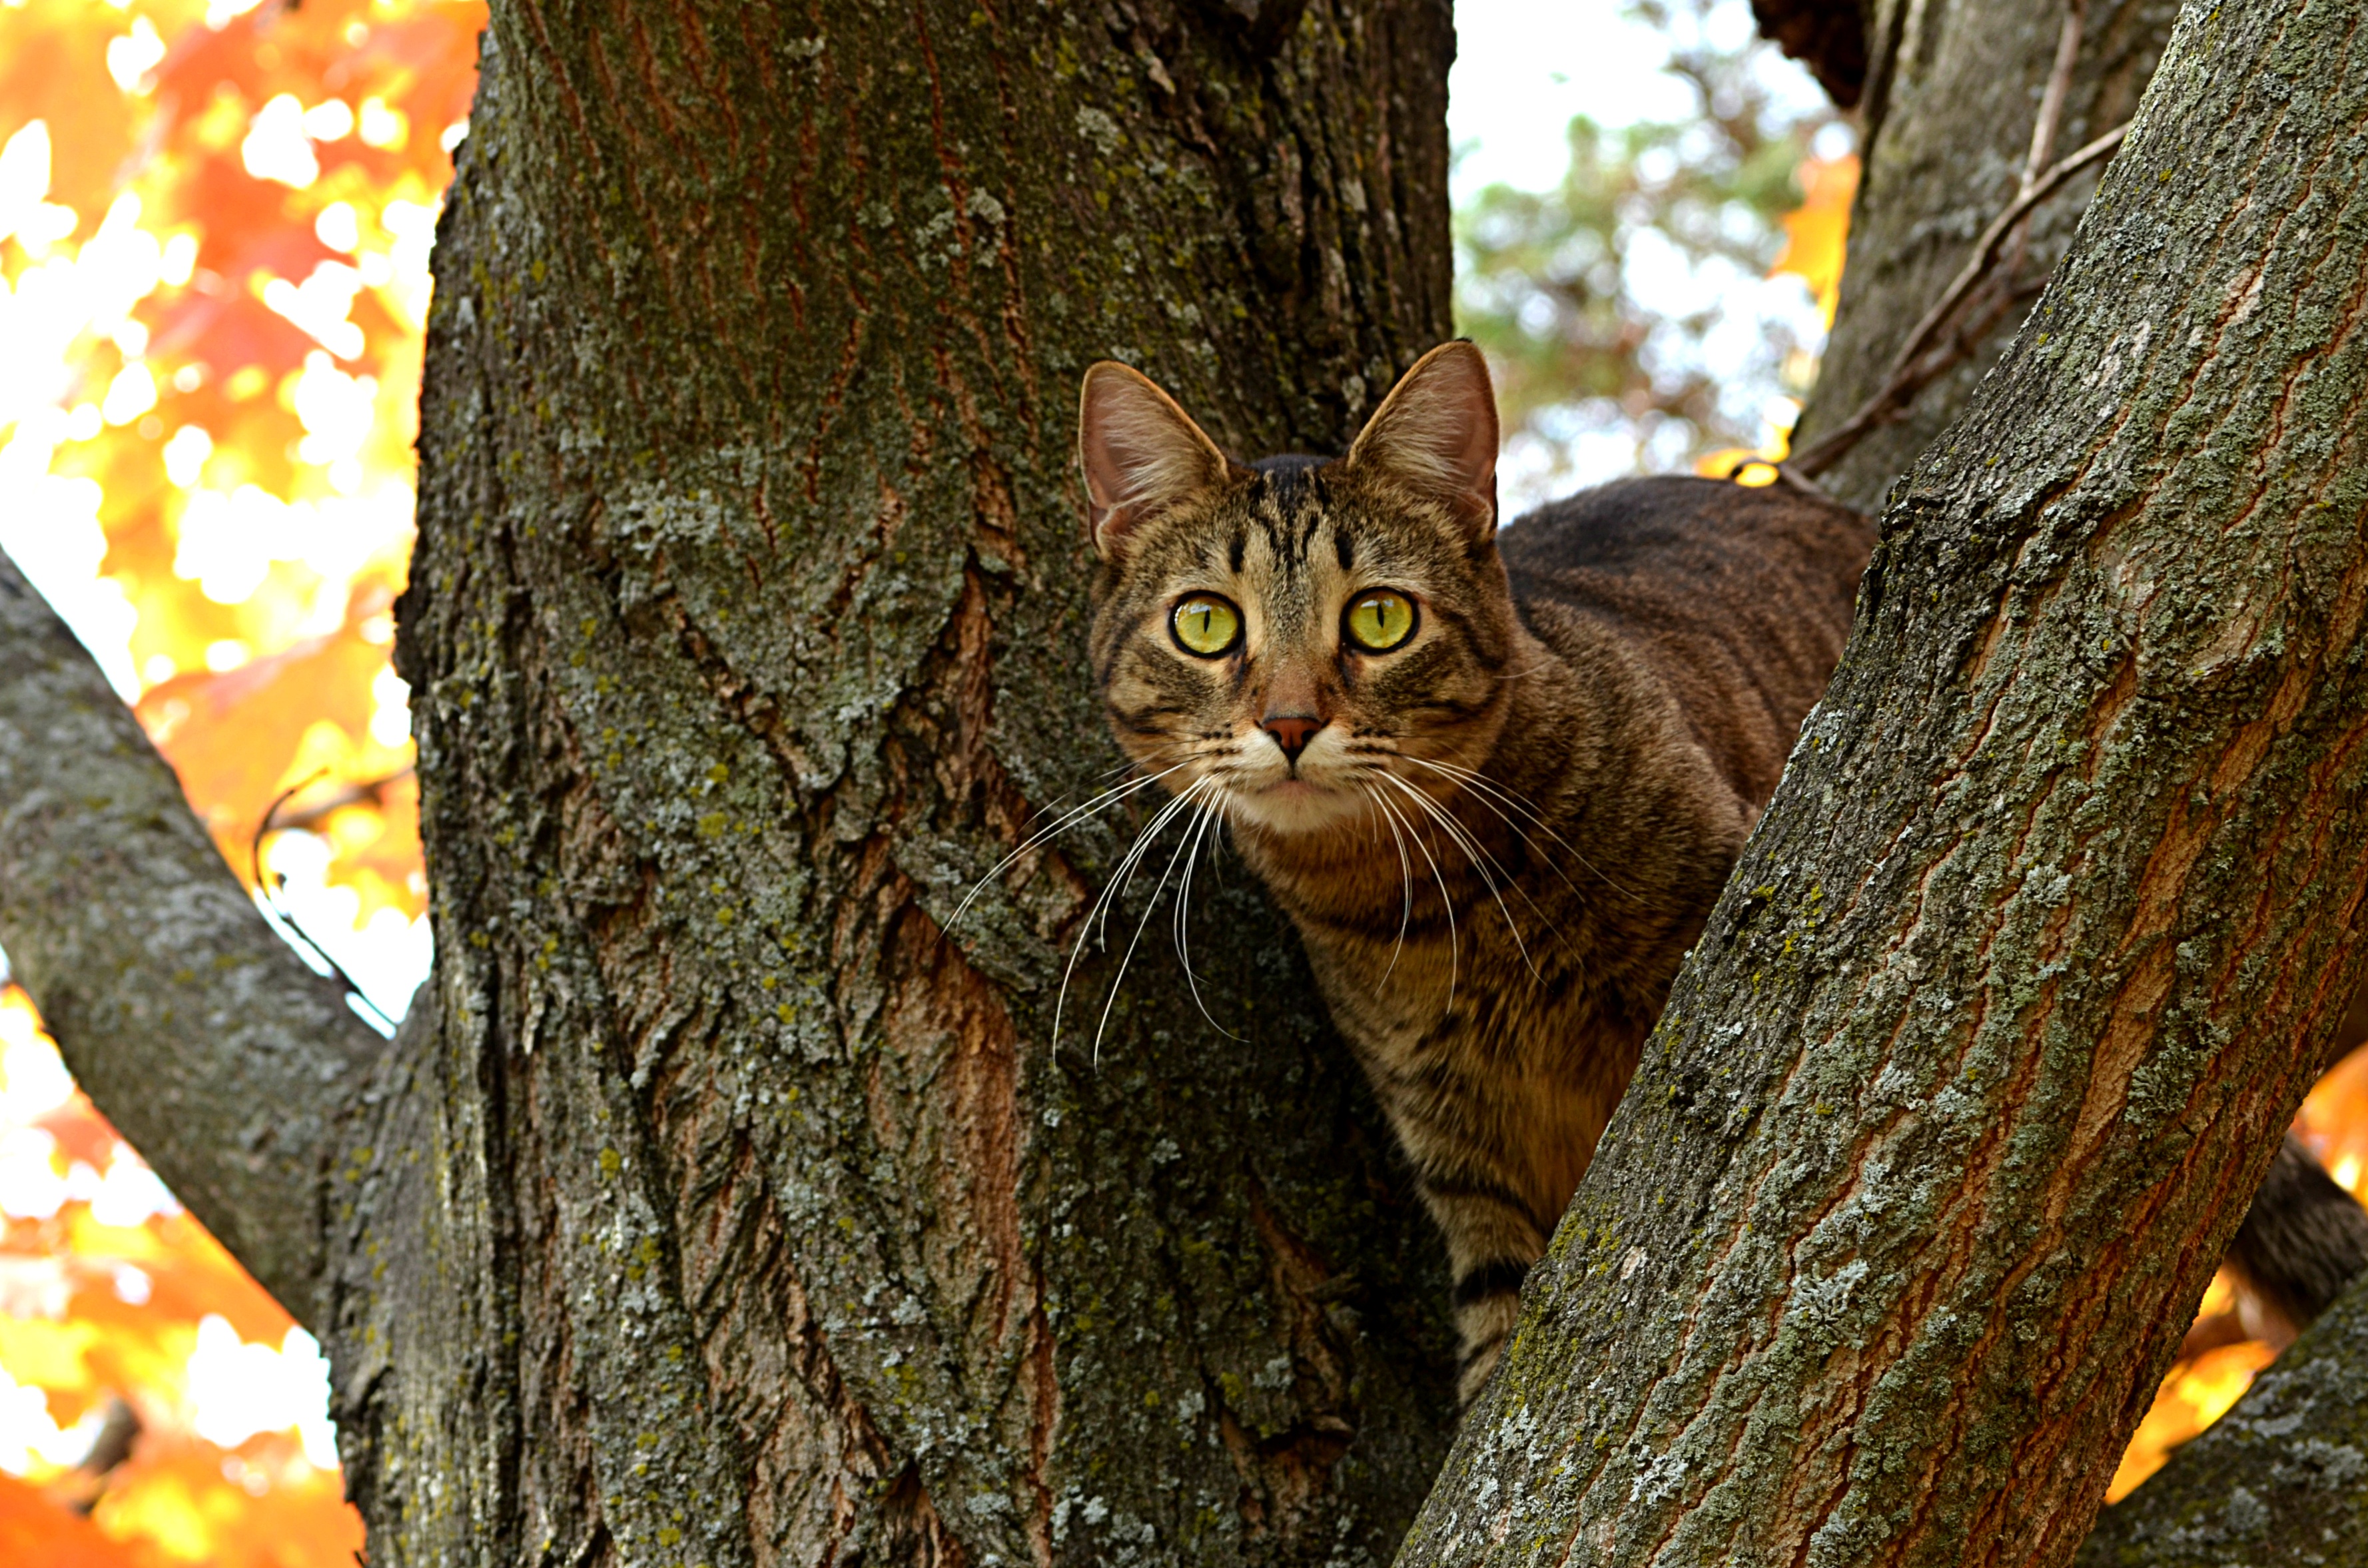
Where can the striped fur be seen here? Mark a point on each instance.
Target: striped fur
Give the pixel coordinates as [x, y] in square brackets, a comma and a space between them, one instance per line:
[1507, 830]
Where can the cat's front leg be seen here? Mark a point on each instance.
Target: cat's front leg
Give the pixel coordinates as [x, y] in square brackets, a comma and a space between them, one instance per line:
[1493, 1232]
[1497, 1150]
[1492, 1241]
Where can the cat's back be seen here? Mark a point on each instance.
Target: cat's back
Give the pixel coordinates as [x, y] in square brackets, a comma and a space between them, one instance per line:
[1736, 599]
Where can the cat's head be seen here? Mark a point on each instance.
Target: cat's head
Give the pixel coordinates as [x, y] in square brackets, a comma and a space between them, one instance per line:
[1300, 639]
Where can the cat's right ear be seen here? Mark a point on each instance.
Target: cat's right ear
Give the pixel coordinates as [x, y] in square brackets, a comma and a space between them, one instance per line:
[1141, 454]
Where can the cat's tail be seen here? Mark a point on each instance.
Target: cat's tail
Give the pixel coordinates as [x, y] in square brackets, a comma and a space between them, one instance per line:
[2303, 1239]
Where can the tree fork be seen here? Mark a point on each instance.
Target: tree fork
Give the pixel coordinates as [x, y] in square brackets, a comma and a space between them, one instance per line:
[2007, 1005]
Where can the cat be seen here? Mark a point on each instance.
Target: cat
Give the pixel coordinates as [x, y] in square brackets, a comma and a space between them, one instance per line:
[1496, 780]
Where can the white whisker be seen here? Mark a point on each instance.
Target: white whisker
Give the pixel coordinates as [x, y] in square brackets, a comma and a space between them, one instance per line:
[1480, 790]
[1150, 907]
[1101, 901]
[1405, 881]
[1074, 817]
[1124, 875]
[1446, 899]
[1482, 784]
[1200, 831]
[1481, 861]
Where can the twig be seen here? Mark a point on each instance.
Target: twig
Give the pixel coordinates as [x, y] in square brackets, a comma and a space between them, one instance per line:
[2051, 112]
[2051, 103]
[1905, 377]
[371, 791]
[1986, 249]
[269, 894]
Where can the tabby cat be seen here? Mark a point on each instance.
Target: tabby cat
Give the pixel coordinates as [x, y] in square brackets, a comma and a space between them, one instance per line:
[1496, 779]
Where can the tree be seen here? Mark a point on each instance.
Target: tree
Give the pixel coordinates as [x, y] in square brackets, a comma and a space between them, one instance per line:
[726, 1199]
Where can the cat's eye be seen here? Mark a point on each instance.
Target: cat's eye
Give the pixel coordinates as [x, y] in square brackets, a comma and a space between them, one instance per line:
[1206, 625]
[1379, 620]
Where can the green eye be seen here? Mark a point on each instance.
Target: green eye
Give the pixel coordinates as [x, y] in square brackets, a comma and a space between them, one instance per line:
[1206, 625]
[1379, 620]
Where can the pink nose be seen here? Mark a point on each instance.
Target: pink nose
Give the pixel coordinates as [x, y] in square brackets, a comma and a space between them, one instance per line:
[1292, 731]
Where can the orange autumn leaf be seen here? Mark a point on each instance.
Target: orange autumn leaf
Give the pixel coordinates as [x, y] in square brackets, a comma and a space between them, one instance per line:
[1816, 233]
[376, 842]
[2334, 1120]
[188, 1276]
[1751, 467]
[259, 1505]
[2192, 1397]
[237, 740]
[39, 1533]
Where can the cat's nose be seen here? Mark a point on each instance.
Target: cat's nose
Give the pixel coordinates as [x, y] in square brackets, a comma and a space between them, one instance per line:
[1292, 731]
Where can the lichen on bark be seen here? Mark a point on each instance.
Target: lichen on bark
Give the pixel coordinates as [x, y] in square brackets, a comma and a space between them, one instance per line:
[2280, 1482]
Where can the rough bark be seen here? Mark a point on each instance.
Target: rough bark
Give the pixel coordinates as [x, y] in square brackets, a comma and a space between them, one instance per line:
[2001, 1019]
[1953, 90]
[721, 1207]
[2274, 1483]
[1957, 89]
[210, 1046]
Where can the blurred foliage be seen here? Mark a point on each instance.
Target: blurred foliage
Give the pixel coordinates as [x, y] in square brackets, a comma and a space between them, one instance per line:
[1626, 309]
[116, 1306]
[214, 225]
[215, 218]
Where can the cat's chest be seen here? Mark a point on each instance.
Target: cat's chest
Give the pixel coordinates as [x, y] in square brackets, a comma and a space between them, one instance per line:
[1480, 990]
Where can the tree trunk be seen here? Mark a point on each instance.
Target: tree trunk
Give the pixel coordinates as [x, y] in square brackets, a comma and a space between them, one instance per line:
[727, 1203]
[2001, 1018]
[1954, 90]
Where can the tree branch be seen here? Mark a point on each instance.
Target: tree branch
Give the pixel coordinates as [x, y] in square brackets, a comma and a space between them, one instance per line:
[202, 1035]
[1998, 1021]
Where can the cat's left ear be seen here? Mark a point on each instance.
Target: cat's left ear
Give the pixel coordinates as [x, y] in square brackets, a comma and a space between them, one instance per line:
[1141, 454]
[1437, 432]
